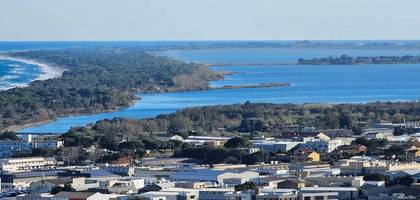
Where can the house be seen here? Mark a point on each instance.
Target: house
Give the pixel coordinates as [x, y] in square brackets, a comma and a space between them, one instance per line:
[24, 179]
[82, 183]
[317, 195]
[45, 196]
[45, 186]
[355, 149]
[267, 181]
[291, 184]
[306, 155]
[415, 152]
[124, 185]
[79, 196]
[325, 146]
[377, 133]
[323, 137]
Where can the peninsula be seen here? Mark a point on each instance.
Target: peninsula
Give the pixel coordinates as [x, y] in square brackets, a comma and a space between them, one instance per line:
[95, 80]
[347, 60]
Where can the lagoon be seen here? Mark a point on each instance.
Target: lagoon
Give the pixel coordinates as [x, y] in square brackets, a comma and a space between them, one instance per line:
[309, 84]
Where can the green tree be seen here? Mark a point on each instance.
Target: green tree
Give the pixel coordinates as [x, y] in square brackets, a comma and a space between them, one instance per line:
[374, 177]
[237, 142]
[8, 135]
[245, 186]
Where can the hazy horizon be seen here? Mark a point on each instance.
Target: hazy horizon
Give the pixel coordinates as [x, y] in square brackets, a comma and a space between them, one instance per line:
[208, 20]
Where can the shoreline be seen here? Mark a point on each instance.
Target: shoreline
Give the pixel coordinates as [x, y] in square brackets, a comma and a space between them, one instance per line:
[261, 85]
[16, 128]
[47, 71]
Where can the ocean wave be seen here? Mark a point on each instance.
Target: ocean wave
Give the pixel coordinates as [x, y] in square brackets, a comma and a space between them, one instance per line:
[9, 77]
[18, 70]
[47, 72]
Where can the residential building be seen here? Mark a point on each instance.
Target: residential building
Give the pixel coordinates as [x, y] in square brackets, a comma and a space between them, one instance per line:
[27, 164]
[355, 149]
[306, 155]
[24, 179]
[48, 144]
[46, 186]
[377, 133]
[267, 181]
[79, 196]
[366, 165]
[124, 185]
[317, 195]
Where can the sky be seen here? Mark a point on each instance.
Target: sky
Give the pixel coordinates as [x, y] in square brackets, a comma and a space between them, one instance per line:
[209, 19]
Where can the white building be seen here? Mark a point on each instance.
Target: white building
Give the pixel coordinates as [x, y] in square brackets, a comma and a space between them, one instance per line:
[219, 176]
[27, 164]
[125, 185]
[7, 147]
[48, 144]
[325, 146]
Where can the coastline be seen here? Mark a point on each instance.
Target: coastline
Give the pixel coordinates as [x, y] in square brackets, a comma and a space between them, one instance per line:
[16, 128]
[47, 71]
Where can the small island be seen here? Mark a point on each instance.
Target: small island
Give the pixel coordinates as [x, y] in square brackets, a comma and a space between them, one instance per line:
[262, 85]
[348, 60]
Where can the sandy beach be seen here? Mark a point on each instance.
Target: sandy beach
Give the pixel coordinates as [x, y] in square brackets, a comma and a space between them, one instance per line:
[48, 71]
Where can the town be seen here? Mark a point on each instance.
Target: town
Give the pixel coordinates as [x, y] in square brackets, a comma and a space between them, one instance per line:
[209, 100]
[300, 164]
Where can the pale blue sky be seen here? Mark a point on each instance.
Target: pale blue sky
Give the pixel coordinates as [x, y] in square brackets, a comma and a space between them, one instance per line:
[208, 19]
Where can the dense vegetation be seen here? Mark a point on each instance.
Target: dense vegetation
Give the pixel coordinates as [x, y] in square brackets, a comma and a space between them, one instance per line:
[271, 118]
[96, 79]
[347, 60]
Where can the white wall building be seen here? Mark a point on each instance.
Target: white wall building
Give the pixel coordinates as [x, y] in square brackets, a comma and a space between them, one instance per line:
[27, 164]
[218, 176]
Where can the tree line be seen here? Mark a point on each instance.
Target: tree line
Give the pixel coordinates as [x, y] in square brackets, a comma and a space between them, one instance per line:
[262, 117]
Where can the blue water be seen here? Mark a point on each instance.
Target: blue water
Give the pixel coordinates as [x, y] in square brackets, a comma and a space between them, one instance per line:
[363, 83]
[14, 73]
[267, 55]
[310, 84]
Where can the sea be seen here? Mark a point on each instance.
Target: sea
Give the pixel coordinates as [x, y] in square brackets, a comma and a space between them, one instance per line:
[309, 83]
